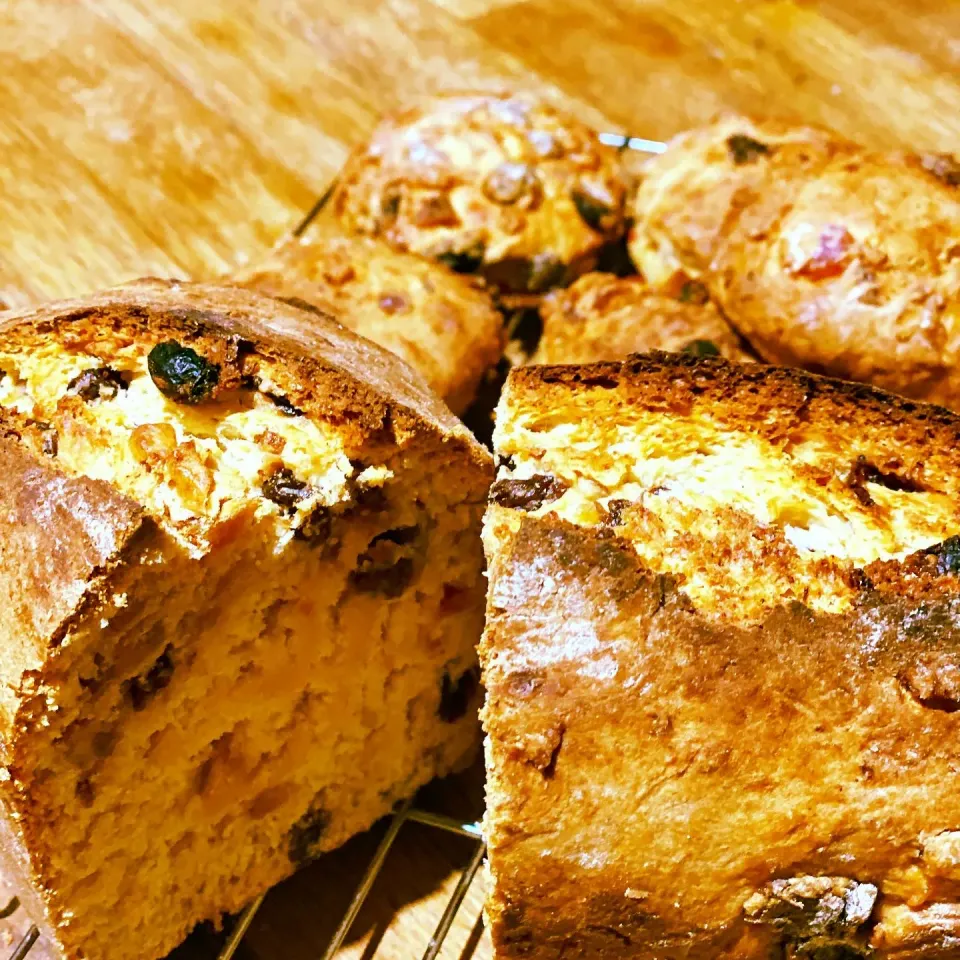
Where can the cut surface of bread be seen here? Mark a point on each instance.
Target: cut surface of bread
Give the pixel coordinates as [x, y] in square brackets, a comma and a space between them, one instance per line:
[443, 324]
[722, 662]
[241, 584]
[605, 317]
[498, 184]
[822, 254]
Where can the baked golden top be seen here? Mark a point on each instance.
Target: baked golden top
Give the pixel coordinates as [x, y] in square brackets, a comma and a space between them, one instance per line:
[501, 184]
[443, 324]
[204, 403]
[664, 785]
[821, 253]
[604, 317]
[753, 485]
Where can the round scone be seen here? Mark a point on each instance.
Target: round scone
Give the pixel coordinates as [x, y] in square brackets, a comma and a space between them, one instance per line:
[503, 185]
[444, 325]
[822, 254]
[604, 317]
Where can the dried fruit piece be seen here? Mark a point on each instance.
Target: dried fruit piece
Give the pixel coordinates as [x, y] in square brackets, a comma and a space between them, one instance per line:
[271, 441]
[140, 689]
[744, 149]
[508, 182]
[595, 205]
[463, 261]
[455, 698]
[284, 489]
[389, 206]
[97, 383]
[317, 526]
[436, 210]
[394, 303]
[190, 476]
[693, 291]
[339, 270]
[830, 256]
[152, 441]
[181, 374]
[530, 493]
[943, 166]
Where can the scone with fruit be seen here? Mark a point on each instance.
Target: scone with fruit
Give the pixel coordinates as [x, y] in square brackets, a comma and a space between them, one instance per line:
[604, 317]
[821, 253]
[242, 584]
[722, 661]
[498, 184]
[443, 324]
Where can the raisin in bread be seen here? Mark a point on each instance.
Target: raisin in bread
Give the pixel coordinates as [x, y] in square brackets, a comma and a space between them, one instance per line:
[241, 586]
[821, 253]
[443, 324]
[500, 184]
[604, 317]
[722, 661]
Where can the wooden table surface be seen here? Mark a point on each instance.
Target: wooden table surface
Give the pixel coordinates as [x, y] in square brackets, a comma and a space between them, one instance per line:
[180, 138]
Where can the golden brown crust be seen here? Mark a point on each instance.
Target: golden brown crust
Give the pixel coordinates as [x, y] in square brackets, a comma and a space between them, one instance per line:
[62, 536]
[649, 771]
[775, 393]
[500, 184]
[442, 324]
[821, 253]
[671, 779]
[326, 369]
[604, 317]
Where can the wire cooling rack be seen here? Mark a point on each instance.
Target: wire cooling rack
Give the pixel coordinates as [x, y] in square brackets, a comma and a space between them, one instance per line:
[406, 812]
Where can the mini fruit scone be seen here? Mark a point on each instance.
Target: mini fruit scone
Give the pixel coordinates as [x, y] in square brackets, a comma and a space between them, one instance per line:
[498, 184]
[443, 324]
[242, 584]
[821, 253]
[605, 317]
[722, 663]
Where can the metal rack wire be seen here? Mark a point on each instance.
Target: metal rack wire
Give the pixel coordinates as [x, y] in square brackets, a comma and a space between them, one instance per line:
[406, 813]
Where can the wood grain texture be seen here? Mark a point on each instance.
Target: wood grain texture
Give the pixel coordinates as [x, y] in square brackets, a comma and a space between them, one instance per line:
[183, 137]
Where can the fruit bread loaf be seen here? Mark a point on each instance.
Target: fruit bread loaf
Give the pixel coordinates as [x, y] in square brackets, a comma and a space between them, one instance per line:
[822, 254]
[241, 585]
[443, 324]
[499, 184]
[604, 317]
[722, 661]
